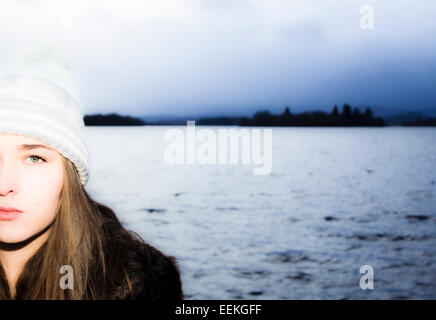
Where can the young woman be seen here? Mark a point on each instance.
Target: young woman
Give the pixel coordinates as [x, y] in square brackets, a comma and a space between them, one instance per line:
[56, 242]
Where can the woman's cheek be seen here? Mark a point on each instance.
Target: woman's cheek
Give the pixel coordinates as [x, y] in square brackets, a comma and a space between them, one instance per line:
[44, 178]
[42, 187]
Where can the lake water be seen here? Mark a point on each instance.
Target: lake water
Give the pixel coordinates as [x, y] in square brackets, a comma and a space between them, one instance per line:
[336, 199]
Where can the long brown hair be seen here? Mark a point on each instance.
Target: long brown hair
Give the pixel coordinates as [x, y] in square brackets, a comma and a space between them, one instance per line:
[76, 239]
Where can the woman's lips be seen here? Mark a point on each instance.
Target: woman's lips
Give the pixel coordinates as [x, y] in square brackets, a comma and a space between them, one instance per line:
[9, 214]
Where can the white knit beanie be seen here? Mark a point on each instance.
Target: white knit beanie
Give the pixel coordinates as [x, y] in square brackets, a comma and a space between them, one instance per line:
[39, 98]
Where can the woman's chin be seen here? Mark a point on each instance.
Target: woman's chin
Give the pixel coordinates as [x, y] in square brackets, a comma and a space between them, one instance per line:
[20, 232]
[14, 235]
[12, 239]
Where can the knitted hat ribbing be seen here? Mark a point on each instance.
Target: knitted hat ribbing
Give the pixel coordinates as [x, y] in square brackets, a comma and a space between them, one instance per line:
[39, 98]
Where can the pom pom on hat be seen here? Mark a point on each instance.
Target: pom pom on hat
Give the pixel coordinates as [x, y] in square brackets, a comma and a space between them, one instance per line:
[40, 98]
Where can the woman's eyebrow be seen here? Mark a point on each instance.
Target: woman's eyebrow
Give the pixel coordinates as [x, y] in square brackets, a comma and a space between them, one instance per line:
[33, 146]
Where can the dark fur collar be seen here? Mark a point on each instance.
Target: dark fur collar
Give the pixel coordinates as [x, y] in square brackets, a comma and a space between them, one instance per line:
[133, 265]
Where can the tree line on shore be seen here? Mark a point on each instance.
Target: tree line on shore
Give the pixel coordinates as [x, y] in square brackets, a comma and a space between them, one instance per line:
[112, 119]
[347, 116]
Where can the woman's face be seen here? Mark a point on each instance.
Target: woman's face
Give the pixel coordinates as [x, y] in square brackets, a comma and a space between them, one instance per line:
[31, 179]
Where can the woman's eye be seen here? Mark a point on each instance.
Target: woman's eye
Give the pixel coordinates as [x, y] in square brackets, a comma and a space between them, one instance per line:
[34, 159]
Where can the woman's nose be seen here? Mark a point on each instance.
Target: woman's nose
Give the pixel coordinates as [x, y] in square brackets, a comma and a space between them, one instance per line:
[8, 179]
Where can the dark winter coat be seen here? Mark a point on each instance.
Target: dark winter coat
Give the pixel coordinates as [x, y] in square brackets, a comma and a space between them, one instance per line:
[153, 275]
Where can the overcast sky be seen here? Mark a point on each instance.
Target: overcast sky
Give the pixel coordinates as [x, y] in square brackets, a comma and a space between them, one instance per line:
[189, 57]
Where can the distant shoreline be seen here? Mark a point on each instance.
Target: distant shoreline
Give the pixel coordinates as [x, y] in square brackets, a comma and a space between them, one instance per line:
[347, 117]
